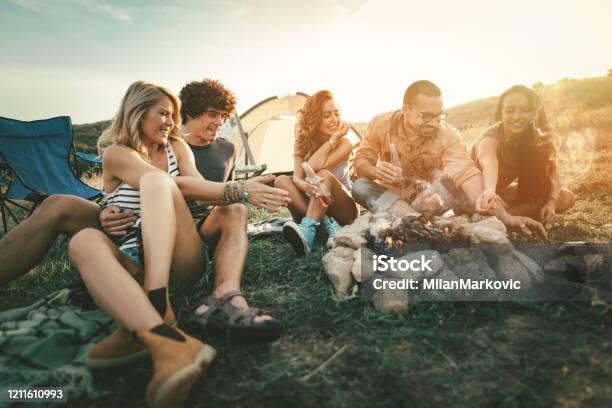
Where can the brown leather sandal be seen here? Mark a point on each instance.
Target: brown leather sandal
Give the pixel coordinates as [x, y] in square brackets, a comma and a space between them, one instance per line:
[222, 319]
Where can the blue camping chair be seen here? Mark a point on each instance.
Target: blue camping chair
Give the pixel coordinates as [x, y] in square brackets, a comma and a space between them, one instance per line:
[35, 163]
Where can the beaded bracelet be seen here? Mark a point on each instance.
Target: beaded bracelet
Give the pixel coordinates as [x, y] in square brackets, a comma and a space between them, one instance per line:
[245, 194]
[235, 192]
[225, 194]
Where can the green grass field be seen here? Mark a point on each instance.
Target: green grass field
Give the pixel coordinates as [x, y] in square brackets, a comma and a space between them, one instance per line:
[337, 353]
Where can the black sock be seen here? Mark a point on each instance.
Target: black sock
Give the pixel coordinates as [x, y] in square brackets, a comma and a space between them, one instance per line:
[158, 300]
[169, 332]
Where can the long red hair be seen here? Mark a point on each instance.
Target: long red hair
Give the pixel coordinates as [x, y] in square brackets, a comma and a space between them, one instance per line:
[308, 138]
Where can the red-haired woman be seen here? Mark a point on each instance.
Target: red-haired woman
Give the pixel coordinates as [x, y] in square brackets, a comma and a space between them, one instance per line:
[321, 142]
[519, 148]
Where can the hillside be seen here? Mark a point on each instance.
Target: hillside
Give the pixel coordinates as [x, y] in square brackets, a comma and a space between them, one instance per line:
[581, 94]
[86, 135]
[587, 93]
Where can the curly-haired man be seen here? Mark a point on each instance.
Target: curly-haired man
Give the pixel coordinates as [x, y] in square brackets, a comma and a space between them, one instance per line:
[205, 107]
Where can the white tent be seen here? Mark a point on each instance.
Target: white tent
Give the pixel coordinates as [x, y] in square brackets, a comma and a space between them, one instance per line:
[265, 134]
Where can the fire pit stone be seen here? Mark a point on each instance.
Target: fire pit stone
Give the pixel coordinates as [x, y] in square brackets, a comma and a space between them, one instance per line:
[362, 271]
[338, 269]
[390, 300]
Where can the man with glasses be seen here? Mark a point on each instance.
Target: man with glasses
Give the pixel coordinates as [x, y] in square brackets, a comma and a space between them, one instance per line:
[431, 154]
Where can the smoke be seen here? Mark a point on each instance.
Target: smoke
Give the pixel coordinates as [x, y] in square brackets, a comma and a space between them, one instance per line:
[576, 152]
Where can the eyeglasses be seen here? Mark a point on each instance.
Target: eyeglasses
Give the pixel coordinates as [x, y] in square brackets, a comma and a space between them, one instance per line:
[216, 114]
[428, 117]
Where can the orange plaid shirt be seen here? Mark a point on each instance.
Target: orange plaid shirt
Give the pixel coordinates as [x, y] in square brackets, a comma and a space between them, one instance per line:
[422, 158]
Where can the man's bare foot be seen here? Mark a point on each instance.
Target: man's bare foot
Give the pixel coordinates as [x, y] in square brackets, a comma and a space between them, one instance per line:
[237, 301]
[226, 313]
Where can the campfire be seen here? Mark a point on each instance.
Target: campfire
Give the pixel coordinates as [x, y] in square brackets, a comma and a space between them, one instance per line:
[461, 249]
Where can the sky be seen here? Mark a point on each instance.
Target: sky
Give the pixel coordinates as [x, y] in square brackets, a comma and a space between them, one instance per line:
[77, 57]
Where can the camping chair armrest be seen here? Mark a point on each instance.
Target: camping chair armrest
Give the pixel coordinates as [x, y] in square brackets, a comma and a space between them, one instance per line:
[255, 169]
[90, 158]
[94, 162]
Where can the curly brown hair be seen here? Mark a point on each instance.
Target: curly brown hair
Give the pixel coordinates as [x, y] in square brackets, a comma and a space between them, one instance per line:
[308, 138]
[198, 97]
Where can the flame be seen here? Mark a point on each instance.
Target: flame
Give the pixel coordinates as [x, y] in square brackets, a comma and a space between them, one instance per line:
[389, 242]
[446, 232]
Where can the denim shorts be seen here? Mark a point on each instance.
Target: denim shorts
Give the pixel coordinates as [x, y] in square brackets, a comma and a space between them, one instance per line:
[135, 255]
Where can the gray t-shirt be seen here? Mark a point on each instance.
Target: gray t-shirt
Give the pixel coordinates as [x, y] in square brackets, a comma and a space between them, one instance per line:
[215, 162]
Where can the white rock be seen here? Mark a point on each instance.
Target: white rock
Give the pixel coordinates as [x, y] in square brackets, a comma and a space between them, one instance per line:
[338, 271]
[342, 252]
[487, 230]
[378, 224]
[488, 236]
[401, 208]
[468, 263]
[362, 269]
[390, 300]
[507, 268]
[385, 201]
[360, 226]
[348, 239]
[432, 204]
[537, 275]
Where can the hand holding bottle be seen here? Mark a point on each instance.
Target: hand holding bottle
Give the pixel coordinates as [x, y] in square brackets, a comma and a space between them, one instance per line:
[321, 191]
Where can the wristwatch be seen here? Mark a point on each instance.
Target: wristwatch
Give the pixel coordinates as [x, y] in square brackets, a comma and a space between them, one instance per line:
[245, 196]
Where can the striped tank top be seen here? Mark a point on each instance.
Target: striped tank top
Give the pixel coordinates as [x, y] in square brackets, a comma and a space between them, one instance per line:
[128, 198]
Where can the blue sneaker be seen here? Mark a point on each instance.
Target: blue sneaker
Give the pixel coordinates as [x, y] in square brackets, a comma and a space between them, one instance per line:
[301, 237]
[332, 227]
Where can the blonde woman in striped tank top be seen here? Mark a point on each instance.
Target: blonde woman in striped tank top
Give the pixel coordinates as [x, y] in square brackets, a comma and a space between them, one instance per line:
[149, 168]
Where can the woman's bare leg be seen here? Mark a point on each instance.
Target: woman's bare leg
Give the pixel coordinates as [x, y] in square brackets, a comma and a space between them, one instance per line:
[26, 244]
[114, 290]
[343, 208]
[299, 202]
[566, 200]
[170, 238]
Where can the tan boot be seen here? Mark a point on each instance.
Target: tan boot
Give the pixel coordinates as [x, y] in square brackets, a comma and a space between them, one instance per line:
[177, 364]
[121, 347]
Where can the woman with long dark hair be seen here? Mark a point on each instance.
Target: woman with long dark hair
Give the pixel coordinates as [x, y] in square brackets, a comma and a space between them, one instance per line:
[518, 159]
[322, 143]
